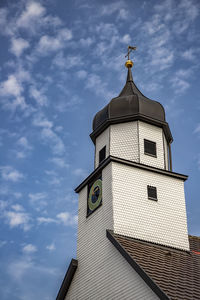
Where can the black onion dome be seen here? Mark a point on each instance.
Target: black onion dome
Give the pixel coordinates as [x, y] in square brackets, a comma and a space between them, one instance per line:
[131, 104]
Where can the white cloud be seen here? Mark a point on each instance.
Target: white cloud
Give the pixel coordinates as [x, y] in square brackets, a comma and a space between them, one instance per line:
[197, 129]
[54, 178]
[29, 248]
[48, 135]
[15, 219]
[165, 25]
[96, 85]
[38, 95]
[3, 243]
[54, 43]
[17, 207]
[32, 13]
[59, 128]
[79, 172]
[86, 42]
[54, 181]
[67, 62]
[3, 17]
[22, 267]
[40, 121]
[198, 162]
[18, 46]
[54, 140]
[47, 44]
[65, 34]
[82, 74]
[190, 8]
[51, 247]
[59, 162]
[184, 73]
[72, 103]
[117, 7]
[11, 86]
[50, 172]
[180, 85]
[162, 58]
[126, 39]
[20, 154]
[37, 200]
[123, 14]
[189, 54]
[67, 219]
[179, 80]
[17, 195]
[23, 142]
[10, 174]
[46, 220]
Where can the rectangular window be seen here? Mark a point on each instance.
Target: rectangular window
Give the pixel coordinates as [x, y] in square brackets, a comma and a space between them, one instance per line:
[149, 148]
[152, 192]
[102, 154]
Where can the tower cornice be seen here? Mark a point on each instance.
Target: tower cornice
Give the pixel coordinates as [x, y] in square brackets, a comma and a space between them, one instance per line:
[110, 159]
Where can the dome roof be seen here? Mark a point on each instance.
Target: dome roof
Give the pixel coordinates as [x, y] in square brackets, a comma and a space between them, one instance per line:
[131, 104]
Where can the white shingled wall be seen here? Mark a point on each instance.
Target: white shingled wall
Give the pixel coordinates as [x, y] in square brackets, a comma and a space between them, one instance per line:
[163, 221]
[154, 134]
[124, 141]
[102, 272]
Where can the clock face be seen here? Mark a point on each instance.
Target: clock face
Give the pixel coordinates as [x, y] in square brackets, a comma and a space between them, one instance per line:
[95, 196]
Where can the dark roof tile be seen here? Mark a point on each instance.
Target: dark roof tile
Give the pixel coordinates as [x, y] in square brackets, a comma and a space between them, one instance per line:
[176, 272]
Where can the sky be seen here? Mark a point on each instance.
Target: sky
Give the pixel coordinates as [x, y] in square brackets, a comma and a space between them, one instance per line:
[60, 63]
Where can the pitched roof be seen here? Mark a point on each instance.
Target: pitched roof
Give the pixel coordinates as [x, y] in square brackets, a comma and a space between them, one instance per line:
[174, 272]
[67, 279]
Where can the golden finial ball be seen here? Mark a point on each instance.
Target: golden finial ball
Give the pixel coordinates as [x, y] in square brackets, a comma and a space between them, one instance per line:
[129, 63]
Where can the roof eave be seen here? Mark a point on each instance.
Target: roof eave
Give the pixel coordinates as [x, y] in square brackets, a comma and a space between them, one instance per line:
[135, 117]
[67, 279]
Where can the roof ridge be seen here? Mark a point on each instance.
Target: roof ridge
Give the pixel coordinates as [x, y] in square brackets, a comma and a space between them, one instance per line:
[194, 236]
[152, 243]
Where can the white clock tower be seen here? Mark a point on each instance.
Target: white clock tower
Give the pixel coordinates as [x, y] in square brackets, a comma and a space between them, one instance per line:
[132, 192]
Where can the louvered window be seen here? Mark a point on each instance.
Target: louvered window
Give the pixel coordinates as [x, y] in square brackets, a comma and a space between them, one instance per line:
[149, 148]
[102, 154]
[152, 192]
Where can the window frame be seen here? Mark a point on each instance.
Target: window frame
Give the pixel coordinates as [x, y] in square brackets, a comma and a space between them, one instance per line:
[147, 153]
[152, 187]
[104, 156]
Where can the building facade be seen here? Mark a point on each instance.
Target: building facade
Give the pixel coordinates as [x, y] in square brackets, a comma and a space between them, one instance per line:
[132, 213]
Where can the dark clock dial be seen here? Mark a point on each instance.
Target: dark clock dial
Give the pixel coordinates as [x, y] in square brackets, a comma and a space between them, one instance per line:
[95, 195]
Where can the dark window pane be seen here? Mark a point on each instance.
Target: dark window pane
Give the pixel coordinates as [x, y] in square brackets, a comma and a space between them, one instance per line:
[102, 154]
[152, 192]
[149, 147]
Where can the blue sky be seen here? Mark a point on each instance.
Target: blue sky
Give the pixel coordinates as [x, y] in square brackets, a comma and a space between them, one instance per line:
[60, 62]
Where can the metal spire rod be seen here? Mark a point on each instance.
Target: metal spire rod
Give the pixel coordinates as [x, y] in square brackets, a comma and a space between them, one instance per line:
[130, 49]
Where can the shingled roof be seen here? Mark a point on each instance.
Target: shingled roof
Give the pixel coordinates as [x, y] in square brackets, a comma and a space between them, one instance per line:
[171, 273]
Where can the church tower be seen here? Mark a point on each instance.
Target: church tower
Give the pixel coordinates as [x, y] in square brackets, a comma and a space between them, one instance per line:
[131, 193]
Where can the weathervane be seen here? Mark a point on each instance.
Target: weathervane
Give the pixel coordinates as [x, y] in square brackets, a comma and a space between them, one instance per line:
[129, 62]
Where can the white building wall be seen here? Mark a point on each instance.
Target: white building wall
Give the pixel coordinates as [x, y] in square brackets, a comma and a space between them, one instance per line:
[102, 140]
[154, 134]
[124, 140]
[163, 221]
[102, 272]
